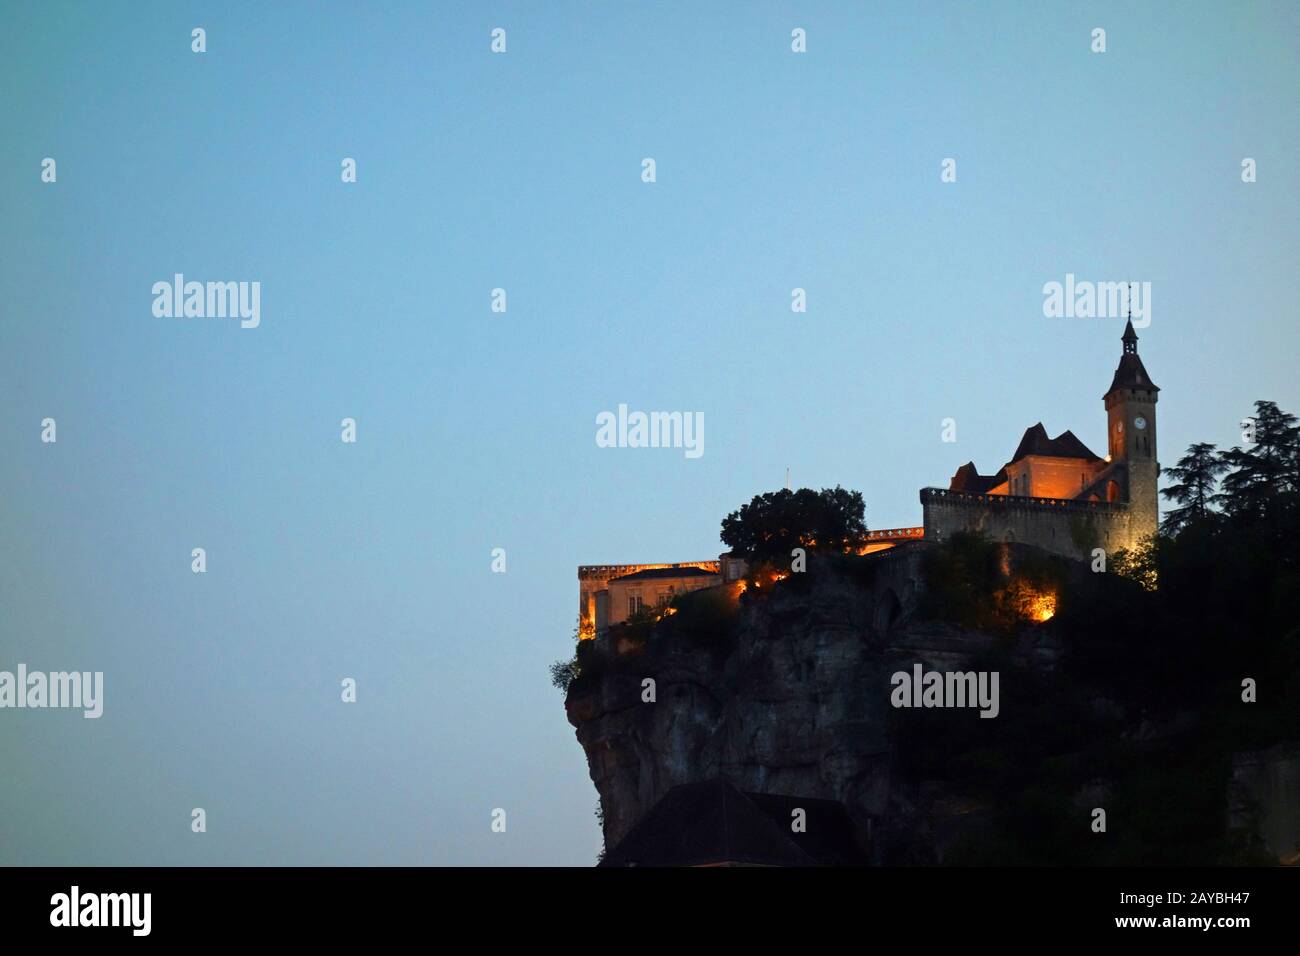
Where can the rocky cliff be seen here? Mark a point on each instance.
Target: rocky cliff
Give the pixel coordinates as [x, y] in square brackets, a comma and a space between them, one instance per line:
[789, 694]
[793, 700]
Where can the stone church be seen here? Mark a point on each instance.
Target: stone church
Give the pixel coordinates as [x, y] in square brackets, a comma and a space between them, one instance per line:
[1054, 492]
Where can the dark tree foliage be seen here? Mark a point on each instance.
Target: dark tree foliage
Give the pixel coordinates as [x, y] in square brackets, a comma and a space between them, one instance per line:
[1266, 471]
[773, 524]
[966, 583]
[706, 616]
[1196, 475]
[563, 673]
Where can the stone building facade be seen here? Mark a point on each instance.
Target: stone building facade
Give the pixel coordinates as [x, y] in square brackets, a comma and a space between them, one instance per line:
[1055, 493]
[600, 605]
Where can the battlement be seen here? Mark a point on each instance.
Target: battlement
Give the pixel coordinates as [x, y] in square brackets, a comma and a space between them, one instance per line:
[947, 496]
[1072, 527]
[896, 534]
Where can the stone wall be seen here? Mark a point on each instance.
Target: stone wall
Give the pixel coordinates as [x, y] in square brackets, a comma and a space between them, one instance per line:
[1051, 477]
[1064, 526]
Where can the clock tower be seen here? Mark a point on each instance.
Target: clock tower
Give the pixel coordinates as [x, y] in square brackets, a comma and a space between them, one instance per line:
[1131, 436]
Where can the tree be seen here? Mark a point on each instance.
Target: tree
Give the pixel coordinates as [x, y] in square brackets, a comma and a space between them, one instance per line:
[773, 524]
[1270, 468]
[563, 673]
[1197, 474]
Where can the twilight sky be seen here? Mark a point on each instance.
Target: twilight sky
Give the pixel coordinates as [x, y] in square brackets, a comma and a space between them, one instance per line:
[476, 429]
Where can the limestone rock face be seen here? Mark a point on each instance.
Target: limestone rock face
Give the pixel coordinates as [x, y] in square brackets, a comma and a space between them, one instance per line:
[792, 697]
[796, 703]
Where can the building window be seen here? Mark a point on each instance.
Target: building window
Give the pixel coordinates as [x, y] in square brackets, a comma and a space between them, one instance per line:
[633, 604]
[665, 597]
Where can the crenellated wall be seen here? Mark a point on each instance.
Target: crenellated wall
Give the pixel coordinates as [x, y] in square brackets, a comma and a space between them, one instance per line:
[1065, 526]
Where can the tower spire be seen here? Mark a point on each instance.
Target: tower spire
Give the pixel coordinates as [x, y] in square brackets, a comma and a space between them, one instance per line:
[1130, 338]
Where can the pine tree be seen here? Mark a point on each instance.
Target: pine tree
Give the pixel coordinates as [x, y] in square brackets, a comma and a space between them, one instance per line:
[1196, 475]
[1257, 476]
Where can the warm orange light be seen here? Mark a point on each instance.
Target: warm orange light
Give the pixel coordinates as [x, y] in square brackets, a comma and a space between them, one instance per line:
[1027, 602]
[1043, 607]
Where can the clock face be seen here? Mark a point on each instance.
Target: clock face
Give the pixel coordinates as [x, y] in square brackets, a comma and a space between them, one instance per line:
[1140, 422]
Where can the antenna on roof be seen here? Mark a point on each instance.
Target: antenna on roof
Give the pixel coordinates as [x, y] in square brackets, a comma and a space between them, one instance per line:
[787, 477]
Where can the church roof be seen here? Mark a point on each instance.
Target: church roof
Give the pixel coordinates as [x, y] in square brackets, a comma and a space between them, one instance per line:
[712, 822]
[968, 478]
[1064, 445]
[1130, 373]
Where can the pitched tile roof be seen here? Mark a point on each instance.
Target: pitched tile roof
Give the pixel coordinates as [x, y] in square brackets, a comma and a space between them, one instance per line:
[1064, 445]
[968, 478]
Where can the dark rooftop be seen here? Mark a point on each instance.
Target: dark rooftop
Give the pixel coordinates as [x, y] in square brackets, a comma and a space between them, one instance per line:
[1064, 445]
[968, 478]
[652, 573]
[1131, 374]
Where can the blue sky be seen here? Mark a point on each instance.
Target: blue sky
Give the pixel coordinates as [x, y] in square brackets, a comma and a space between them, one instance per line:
[476, 430]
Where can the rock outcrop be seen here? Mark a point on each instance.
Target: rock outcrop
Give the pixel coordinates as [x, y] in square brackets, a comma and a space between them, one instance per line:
[791, 696]
[795, 701]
